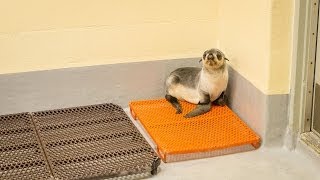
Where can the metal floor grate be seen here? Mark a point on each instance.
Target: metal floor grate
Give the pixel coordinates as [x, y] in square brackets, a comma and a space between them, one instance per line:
[21, 156]
[98, 141]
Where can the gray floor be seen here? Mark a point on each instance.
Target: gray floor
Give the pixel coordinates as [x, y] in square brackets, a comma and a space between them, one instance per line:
[268, 164]
[261, 164]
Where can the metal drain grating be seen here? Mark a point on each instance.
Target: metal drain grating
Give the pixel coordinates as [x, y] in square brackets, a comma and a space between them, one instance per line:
[21, 155]
[98, 141]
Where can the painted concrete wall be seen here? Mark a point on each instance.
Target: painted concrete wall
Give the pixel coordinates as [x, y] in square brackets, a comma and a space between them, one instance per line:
[281, 46]
[257, 35]
[44, 34]
[245, 37]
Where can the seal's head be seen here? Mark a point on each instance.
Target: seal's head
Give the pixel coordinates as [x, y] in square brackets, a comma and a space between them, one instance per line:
[213, 59]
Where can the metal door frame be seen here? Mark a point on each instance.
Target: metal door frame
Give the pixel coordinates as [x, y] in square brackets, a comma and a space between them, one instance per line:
[310, 52]
[304, 47]
[314, 74]
[302, 68]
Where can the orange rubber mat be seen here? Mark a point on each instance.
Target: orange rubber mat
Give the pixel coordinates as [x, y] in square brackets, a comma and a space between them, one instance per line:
[173, 134]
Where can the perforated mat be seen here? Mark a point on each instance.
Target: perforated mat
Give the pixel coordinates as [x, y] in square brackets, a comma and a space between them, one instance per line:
[96, 141]
[21, 156]
[217, 132]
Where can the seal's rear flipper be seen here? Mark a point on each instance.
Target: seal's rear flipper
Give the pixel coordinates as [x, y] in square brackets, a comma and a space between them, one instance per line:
[221, 100]
[175, 103]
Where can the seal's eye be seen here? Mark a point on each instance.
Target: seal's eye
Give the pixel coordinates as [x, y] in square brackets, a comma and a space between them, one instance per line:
[219, 56]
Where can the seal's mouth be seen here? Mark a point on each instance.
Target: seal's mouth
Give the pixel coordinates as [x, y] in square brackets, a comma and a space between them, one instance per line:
[211, 62]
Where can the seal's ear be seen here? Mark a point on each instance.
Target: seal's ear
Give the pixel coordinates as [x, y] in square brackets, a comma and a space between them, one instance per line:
[200, 60]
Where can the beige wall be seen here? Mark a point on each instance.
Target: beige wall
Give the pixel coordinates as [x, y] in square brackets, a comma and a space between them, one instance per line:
[245, 37]
[281, 46]
[256, 35]
[45, 34]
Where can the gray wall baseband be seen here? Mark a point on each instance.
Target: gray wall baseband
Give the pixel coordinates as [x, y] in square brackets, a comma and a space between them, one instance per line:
[115, 83]
[122, 83]
[247, 101]
[277, 119]
[265, 114]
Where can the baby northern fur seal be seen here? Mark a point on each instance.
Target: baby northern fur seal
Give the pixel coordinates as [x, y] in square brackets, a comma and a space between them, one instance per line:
[200, 86]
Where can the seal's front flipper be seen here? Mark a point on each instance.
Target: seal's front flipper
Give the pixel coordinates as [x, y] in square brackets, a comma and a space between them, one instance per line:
[175, 103]
[200, 109]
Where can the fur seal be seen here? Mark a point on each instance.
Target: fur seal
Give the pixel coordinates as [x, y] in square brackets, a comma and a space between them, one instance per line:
[200, 86]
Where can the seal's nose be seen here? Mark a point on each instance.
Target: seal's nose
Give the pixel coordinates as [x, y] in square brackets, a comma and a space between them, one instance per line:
[210, 56]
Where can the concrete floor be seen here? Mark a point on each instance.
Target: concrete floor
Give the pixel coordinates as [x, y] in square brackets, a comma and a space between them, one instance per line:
[261, 164]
